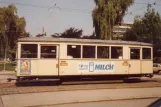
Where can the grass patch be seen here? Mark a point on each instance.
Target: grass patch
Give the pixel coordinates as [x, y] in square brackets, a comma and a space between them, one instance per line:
[9, 67]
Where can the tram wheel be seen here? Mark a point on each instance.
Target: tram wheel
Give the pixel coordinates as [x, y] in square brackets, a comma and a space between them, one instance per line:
[59, 82]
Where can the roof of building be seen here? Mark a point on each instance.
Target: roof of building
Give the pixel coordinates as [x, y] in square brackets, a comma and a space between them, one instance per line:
[122, 27]
[130, 23]
[75, 40]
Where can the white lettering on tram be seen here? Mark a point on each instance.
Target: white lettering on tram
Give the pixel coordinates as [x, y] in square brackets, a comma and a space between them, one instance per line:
[96, 66]
[104, 67]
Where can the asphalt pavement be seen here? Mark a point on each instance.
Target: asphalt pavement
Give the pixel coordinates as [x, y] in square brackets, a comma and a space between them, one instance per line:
[79, 96]
[5, 75]
[118, 103]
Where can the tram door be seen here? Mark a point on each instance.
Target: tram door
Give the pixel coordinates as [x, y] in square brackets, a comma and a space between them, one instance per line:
[49, 58]
[134, 62]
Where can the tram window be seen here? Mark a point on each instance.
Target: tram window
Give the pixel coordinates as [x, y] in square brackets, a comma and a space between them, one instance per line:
[28, 50]
[48, 51]
[116, 52]
[146, 53]
[134, 53]
[102, 52]
[88, 51]
[74, 51]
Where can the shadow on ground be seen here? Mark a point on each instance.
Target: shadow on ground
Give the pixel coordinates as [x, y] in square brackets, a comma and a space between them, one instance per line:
[79, 82]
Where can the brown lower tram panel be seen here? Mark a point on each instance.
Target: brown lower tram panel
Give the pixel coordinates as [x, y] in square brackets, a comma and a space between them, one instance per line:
[84, 77]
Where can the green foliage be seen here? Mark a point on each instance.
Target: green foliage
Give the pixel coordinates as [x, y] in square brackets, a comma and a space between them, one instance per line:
[41, 35]
[108, 13]
[147, 29]
[89, 36]
[103, 52]
[56, 35]
[72, 33]
[8, 67]
[12, 27]
[69, 33]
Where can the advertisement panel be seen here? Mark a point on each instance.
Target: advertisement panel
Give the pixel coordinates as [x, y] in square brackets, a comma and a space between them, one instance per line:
[96, 67]
[25, 66]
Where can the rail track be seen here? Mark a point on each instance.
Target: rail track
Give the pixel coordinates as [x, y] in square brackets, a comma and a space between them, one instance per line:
[51, 86]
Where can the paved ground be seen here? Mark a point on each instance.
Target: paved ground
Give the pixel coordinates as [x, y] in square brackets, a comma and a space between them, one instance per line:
[4, 75]
[7, 89]
[119, 103]
[48, 93]
[81, 96]
[51, 86]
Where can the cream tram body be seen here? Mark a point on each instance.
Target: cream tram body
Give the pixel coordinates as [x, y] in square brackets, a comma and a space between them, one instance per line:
[77, 58]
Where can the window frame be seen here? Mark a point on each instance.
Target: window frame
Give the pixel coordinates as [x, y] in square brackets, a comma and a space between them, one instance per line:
[140, 56]
[150, 53]
[57, 49]
[103, 46]
[111, 52]
[28, 44]
[95, 55]
[74, 45]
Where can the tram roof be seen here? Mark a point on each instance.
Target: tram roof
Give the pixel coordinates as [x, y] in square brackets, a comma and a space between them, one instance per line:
[75, 40]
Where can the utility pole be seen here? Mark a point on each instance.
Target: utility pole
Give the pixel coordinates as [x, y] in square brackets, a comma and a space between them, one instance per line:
[5, 59]
[5, 50]
[109, 21]
[42, 30]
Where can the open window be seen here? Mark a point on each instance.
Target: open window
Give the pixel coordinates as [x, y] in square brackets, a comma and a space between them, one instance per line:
[134, 53]
[28, 50]
[74, 51]
[102, 52]
[146, 53]
[116, 52]
[88, 51]
[48, 51]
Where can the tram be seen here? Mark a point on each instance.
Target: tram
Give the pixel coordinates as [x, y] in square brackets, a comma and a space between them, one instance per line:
[70, 59]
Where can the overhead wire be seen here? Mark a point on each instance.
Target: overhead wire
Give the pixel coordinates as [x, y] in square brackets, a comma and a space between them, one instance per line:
[135, 10]
[41, 6]
[154, 3]
[55, 7]
[150, 4]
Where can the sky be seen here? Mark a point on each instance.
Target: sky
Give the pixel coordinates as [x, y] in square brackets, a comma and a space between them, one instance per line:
[67, 13]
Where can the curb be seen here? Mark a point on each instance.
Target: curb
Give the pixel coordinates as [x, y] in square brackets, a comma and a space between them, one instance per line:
[98, 101]
[7, 73]
[1, 102]
[5, 83]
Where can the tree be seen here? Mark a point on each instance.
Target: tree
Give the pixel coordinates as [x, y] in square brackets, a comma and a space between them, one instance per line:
[69, 33]
[89, 36]
[41, 35]
[12, 27]
[72, 33]
[108, 13]
[56, 35]
[147, 29]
